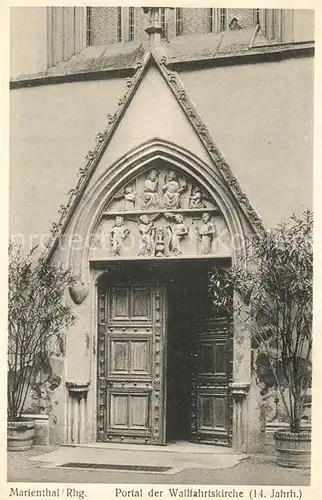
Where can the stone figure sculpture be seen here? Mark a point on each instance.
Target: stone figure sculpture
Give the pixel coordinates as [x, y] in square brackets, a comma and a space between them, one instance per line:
[178, 232]
[206, 233]
[146, 230]
[150, 190]
[129, 198]
[172, 190]
[195, 199]
[118, 233]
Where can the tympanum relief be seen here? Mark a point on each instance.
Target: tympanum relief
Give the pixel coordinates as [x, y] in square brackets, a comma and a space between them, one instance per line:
[162, 213]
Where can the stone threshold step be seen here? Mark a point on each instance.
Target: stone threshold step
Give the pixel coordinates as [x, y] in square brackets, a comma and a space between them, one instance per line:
[180, 447]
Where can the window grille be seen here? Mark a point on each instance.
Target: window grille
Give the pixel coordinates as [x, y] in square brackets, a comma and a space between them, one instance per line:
[101, 25]
[131, 24]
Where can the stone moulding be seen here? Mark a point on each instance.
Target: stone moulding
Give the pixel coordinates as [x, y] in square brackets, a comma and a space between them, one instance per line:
[102, 140]
[78, 390]
[239, 389]
[77, 412]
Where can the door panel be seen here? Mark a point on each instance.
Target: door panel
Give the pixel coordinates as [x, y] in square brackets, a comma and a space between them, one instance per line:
[211, 405]
[131, 363]
[141, 304]
[119, 303]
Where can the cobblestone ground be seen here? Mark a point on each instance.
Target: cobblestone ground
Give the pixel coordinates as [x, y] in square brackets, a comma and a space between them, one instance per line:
[255, 470]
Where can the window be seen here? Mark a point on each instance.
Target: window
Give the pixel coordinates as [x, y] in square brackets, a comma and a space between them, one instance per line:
[222, 20]
[211, 20]
[105, 25]
[163, 22]
[179, 24]
[88, 25]
[271, 24]
[217, 20]
[131, 24]
[119, 24]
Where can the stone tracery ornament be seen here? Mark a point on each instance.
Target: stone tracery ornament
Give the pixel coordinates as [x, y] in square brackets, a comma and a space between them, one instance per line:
[151, 186]
[117, 234]
[172, 190]
[177, 232]
[206, 231]
[147, 231]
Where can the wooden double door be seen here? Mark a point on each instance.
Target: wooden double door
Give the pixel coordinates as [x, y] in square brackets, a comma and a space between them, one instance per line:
[164, 360]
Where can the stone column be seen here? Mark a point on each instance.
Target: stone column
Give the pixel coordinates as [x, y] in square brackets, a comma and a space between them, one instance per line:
[239, 391]
[77, 412]
[247, 432]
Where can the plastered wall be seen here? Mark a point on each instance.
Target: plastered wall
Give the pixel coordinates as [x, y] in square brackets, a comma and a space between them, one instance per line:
[261, 117]
[28, 40]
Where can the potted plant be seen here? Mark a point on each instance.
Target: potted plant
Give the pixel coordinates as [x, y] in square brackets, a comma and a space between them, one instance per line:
[276, 290]
[37, 316]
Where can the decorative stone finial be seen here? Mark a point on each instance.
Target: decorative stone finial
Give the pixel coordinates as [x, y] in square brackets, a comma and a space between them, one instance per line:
[154, 30]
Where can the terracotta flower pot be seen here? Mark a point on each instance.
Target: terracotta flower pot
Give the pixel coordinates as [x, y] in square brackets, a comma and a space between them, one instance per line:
[293, 449]
[20, 435]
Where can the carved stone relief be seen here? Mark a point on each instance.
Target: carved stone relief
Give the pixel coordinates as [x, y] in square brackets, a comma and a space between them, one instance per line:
[162, 213]
[125, 200]
[118, 233]
[177, 232]
[206, 232]
[172, 189]
[159, 243]
[151, 186]
[196, 198]
[146, 230]
[129, 198]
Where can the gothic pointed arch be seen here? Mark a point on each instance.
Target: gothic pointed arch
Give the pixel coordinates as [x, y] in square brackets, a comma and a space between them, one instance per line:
[220, 169]
[158, 187]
